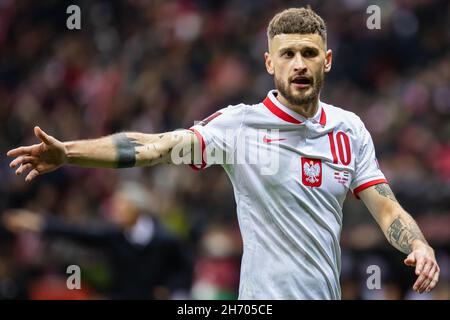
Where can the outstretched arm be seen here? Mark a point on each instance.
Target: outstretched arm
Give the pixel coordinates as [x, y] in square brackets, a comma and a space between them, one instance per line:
[403, 233]
[121, 150]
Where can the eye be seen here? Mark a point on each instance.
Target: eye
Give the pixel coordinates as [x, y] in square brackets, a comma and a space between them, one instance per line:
[288, 54]
[309, 53]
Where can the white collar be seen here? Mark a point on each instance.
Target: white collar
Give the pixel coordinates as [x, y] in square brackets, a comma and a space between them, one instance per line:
[142, 232]
[285, 113]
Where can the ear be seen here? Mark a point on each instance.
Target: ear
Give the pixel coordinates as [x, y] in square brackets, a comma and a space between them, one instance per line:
[328, 60]
[269, 64]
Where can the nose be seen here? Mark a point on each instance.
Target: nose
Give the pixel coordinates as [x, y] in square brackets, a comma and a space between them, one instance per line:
[299, 65]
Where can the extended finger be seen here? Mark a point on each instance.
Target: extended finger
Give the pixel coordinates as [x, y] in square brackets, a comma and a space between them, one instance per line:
[428, 279]
[424, 285]
[44, 137]
[23, 167]
[20, 151]
[420, 263]
[422, 277]
[21, 160]
[428, 268]
[434, 281]
[31, 175]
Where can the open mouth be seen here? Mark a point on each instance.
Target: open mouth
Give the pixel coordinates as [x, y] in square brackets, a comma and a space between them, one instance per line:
[301, 81]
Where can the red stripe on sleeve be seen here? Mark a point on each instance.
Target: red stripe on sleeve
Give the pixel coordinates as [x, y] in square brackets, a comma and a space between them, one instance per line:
[367, 185]
[202, 142]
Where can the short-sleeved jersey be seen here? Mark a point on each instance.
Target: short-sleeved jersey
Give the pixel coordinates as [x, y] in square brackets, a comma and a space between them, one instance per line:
[290, 177]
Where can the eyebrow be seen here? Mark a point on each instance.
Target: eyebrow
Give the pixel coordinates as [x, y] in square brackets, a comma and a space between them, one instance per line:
[282, 49]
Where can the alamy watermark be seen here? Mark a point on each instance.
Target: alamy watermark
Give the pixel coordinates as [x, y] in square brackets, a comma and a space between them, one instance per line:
[373, 282]
[258, 147]
[374, 20]
[74, 19]
[74, 279]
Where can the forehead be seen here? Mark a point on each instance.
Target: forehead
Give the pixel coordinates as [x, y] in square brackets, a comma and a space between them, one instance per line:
[283, 40]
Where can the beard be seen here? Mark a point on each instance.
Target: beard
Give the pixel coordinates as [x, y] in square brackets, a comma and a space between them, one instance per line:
[286, 90]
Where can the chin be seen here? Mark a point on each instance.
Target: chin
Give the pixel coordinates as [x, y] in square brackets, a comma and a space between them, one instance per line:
[301, 95]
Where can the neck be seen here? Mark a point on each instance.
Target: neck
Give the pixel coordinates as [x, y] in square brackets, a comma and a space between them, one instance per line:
[307, 110]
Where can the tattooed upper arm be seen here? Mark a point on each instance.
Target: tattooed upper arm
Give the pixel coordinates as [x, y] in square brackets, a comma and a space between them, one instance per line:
[384, 190]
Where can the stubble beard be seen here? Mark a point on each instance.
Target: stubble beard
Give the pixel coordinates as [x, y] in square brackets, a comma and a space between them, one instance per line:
[285, 90]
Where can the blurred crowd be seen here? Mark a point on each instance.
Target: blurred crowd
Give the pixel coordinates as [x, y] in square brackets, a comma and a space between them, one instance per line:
[154, 66]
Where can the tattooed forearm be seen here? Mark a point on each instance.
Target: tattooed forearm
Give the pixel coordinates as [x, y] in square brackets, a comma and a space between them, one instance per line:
[384, 190]
[401, 234]
[126, 150]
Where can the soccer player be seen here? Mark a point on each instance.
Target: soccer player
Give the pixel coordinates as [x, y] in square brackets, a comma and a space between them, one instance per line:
[290, 216]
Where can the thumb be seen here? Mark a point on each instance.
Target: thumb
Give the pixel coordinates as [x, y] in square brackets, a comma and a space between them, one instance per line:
[410, 260]
[43, 136]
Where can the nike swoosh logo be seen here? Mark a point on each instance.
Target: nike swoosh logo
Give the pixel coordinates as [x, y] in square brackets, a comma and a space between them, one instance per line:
[268, 140]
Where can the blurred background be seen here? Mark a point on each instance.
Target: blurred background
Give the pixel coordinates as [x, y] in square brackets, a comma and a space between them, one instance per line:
[154, 66]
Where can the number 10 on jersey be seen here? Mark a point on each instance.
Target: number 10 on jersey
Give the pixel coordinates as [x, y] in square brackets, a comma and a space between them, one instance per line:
[343, 147]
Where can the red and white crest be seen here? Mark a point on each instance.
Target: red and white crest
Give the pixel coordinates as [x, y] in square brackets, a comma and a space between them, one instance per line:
[311, 172]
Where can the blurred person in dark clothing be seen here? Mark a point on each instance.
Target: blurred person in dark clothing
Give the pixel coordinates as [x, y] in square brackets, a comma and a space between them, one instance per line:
[147, 261]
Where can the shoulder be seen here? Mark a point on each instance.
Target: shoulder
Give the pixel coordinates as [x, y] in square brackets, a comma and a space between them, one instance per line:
[235, 110]
[342, 118]
[231, 113]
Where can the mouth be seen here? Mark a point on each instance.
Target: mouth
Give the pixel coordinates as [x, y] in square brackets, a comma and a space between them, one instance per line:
[301, 82]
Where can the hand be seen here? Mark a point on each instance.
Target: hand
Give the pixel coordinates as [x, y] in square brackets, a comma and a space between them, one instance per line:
[22, 220]
[427, 269]
[40, 158]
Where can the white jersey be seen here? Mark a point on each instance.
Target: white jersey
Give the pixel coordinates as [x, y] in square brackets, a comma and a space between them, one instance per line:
[290, 212]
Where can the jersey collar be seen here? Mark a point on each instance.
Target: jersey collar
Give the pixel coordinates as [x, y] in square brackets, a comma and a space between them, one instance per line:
[281, 111]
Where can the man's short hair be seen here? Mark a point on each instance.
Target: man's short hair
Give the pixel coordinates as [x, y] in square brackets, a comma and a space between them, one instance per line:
[297, 20]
